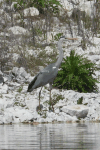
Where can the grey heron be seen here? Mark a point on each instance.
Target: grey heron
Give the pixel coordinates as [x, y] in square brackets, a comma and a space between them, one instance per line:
[48, 74]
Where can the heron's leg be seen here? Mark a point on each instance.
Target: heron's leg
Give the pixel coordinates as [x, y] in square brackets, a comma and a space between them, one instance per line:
[50, 91]
[39, 97]
[50, 96]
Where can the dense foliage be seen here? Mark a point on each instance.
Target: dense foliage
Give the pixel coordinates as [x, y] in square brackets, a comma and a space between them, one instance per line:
[42, 5]
[47, 5]
[76, 73]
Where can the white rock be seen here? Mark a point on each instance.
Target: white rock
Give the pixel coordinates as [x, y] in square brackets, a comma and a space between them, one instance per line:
[50, 36]
[4, 34]
[16, 120]
[31, 52]
[97, 75]
[94, 58]
[66, 6]
[1, 119]
[7, 17]
[60, 118]
[91, 110]
[22, 114]
[23, 73]
[60, 104]
[55, 20]
[48, 50]
[3, 88]
[32, 103]
[1, 109]
[7, 118]
[20, 72]
[15, 56]
[48, 119]
[57, 110]
[68, 117]
[88, 7]
[15, 70]
[80, 111]
[16, 16]
[1, 11]
[17, 30]
[32, 11]
[51, 115]
[98, 84]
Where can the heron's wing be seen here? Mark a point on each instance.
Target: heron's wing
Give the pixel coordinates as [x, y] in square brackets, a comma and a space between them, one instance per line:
[32, 82]
[48, 74]
[45, 76]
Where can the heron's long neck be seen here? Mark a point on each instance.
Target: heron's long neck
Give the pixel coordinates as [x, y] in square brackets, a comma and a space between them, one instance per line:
[58, 62]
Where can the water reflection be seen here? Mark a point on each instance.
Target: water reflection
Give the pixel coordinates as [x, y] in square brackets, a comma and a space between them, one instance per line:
[50, 136]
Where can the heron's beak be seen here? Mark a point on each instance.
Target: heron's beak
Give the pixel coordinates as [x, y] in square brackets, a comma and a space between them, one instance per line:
[71, 38]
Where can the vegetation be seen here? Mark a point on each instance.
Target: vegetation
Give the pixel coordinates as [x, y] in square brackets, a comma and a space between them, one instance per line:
[51, 5]
[39, 27]
[42, 5]
[76, 74]
[55, 100]
[20, 89]
[57, 36]
[80, 100]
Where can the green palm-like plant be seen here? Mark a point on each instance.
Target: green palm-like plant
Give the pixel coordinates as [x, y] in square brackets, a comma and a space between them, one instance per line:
[76, 73]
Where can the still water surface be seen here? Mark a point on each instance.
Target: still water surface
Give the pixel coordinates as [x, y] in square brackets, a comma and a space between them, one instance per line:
[61, 136]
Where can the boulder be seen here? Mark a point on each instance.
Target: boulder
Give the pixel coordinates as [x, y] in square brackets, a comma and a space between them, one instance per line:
[3, 89]
[32, 11]
[8, 118]
[24, 115]
[1, 11]
[80, 111]
[17, 30]
[48, 50]
[67, 6]
[88, 7]
[20, 73]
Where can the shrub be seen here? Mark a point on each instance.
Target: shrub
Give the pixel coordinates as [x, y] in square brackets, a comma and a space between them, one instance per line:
[51, 5]
[57, 36]
[76, 73]
[42, 5]
[80, 100]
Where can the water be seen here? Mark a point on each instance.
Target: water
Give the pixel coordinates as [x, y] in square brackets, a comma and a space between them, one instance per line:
[64, 136]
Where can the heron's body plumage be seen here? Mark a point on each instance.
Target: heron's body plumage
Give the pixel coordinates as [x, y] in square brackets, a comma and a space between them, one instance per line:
[47, 75]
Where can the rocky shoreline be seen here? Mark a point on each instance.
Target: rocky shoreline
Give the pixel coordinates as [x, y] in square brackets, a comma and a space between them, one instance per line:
[18, 106]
